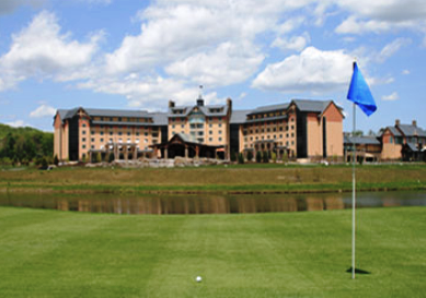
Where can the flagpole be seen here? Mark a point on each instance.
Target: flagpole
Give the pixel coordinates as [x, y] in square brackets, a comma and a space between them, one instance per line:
[353, 190]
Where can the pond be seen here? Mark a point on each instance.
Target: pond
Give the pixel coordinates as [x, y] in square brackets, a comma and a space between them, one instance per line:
[209, 204]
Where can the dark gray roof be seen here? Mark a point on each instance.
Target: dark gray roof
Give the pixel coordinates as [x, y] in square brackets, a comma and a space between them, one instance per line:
[361, 140]
[411, 131]
[393, 130]
[265, 109]
[282, 117]
[413, 147]
[239, 116]
[305, 105]
[158, 117]
[206, 110]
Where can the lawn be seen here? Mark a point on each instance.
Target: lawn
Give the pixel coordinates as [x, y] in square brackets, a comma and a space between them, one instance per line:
[238, 178]
[65, 254]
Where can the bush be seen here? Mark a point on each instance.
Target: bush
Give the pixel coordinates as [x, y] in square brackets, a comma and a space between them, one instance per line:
[285, 156]
[6, 161]
[240, 158]
[111, 157]
[83, 159]
[56, 160]
[265, 157]
[258, 157]
[44, 164]
[233, 156]
[274, 157]
[249, 155]
[98, 158]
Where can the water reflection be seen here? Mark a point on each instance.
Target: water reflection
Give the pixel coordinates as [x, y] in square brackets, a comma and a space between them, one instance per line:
[209, 204]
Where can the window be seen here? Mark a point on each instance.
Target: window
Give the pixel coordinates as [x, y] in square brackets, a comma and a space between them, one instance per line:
[391, 140]
[292, 135]
[173, 126]
[110, 133]
[84, 124]
[102, 118]
[93, 146]
[128, 133]
[183, 126]
[210, 125]
[220, 124]
[220, 139]
[102, 126]
[84, 146]
[220, 118]
[102, 140]
[137, 134]
[120, 133]
[83, 139]
[220, 132]
[292, 142]
[146, 134]
[93, 139]
[210, 139]
[111, 119]
[120, 119]
[93, 132]
[146, 140]
[102, 133]
[292, 127]
[210, 132]
[83, 132]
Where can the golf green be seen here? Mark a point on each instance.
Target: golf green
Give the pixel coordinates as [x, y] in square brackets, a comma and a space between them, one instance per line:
[65, 254]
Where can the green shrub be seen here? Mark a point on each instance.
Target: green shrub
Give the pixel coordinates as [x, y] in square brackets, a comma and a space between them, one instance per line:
[44, 164]
[285, 156]
[98, 157]
[265, 156]
[233, 156]
[250, 155]
[258, 157]
[56, 160]
[274, 157]
[240, 158]
[111, 157]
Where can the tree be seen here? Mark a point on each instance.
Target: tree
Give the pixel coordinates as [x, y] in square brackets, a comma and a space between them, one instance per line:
[274, 157]
[285, 156]
[240, 158]
[56, 160]
[111, 157]
[258, 157]
[98, 158]
[233, 156]
[249, 155]
[265, 157]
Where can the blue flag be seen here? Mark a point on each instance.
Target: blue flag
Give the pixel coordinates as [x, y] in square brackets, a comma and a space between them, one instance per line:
[360, 94]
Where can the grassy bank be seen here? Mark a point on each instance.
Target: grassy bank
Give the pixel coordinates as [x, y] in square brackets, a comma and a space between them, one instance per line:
[233, 179]
[65, 254]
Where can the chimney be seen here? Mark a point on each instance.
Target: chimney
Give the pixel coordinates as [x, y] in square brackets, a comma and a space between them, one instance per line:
[397, 122]
[171, 104]
[229, 103]
[414, 123]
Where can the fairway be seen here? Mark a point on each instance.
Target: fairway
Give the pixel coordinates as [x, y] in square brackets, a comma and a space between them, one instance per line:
[66, 254]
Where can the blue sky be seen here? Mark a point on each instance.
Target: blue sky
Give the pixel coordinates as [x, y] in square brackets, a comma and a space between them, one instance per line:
[140, 54]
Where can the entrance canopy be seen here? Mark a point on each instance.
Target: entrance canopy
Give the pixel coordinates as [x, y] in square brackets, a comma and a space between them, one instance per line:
[185, 145]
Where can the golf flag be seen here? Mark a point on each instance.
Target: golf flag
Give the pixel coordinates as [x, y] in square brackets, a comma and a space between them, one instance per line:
[360, 94]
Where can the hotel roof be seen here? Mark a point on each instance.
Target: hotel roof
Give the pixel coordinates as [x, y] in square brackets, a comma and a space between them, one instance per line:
[206, 110]
[361, 140]
[411, 130]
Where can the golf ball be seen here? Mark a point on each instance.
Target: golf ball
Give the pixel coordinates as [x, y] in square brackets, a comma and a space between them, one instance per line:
[198, 279]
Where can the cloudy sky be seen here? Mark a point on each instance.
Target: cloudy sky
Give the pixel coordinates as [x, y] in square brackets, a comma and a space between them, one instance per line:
[131, 54]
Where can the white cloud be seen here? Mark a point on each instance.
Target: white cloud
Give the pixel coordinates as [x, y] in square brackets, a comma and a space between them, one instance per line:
[295, 43]
[226, 65]
[391, 97]
[40, 50]
[147, 92]
[311, 71]
[405, 72]
[391, 48]
[18, 123]
[43, 111]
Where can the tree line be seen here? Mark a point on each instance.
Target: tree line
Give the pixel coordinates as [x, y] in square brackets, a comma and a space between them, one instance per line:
[25, 146]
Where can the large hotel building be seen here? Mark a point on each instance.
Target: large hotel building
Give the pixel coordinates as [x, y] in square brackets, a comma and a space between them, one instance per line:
[307, 129]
